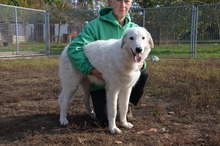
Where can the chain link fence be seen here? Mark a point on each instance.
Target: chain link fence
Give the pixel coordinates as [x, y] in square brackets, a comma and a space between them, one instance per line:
[170, 28]
[22, 31]
[65, 25]
[178, 32]
[208, 31]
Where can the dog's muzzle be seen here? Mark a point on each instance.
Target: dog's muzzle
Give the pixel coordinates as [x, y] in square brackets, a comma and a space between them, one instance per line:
[137, 55]
[138, 50]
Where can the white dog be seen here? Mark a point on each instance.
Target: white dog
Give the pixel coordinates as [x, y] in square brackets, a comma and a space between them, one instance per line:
[117, 60]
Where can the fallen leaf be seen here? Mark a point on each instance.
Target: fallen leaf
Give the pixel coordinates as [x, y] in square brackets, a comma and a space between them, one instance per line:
[176, 124]
[81, 141]
[171, 113]
[143, 105]
[166, 136]
[163, 129]
[152, 130]
[141, 132]
[118, 142]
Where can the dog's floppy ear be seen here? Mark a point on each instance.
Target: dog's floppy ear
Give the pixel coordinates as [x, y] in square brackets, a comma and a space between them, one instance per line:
[123, 40]
[150, 40]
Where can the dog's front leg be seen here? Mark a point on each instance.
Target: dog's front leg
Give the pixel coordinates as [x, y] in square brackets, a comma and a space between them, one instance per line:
[123, 100]
[112, 96]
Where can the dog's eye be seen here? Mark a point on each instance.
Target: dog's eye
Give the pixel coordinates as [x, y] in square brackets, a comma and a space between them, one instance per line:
[143, 38]
[131, 38]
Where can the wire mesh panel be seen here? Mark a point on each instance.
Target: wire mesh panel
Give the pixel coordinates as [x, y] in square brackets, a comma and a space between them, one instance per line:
[7, 20]
[178, 32]
[22, 31]
[137, 16]
[171, 29]
[65, 25]
[208, 32]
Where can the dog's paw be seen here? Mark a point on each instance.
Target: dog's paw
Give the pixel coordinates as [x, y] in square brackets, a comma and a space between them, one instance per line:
[64, 122]
[127, 125]
[115, 130]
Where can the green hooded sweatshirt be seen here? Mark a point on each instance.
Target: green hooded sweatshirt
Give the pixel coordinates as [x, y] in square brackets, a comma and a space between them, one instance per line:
[102, 28]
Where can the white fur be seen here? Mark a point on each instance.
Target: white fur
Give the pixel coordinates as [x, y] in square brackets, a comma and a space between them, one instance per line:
[113, 58]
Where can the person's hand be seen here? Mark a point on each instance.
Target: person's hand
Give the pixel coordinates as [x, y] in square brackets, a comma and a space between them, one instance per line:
[140, 65]
[97, 74]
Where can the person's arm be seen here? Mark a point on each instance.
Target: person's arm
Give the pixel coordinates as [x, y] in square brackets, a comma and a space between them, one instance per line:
[96, 73]
[75, 50]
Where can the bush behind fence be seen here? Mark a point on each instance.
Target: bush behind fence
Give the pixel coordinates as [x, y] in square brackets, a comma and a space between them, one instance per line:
[178, 32]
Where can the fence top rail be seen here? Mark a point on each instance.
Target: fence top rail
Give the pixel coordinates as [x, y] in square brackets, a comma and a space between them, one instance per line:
[170, 7]
[23, 8]
[72, 10]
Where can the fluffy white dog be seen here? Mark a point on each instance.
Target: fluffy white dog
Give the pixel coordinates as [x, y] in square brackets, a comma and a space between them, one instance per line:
[117, 60]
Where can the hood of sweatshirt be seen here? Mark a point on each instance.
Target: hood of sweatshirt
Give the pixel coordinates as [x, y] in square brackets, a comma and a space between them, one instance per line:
[106, 14]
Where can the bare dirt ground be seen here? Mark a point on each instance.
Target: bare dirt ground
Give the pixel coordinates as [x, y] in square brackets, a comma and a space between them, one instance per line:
[29, 115]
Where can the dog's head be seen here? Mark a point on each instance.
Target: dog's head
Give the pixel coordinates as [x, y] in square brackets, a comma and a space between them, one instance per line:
[138, 43]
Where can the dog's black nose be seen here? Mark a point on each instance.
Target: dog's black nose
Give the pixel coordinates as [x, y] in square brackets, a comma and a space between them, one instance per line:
[138, 50]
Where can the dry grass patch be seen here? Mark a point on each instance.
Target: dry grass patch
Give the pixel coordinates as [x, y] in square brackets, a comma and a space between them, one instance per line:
[180, 106]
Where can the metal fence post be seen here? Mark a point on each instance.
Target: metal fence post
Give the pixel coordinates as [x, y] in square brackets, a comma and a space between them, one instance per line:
[193, 40]
[196, 30]
[144, 16]
[192, 34]
[47, 33]
[16, 30]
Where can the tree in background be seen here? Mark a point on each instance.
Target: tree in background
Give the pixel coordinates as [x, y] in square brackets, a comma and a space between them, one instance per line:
[9, 2]
[166, 3]
[97, 4]
[79, 18]
[60, 5]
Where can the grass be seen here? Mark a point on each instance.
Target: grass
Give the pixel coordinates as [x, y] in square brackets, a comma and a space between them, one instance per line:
[188, 89]
[208, 51]
[37, 63]
[197, 81]
[162, 51]
[35, 48]
[183, 51]
[171, 51]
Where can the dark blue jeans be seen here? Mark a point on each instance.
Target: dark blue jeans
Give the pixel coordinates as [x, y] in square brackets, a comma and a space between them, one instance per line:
[99, 97]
